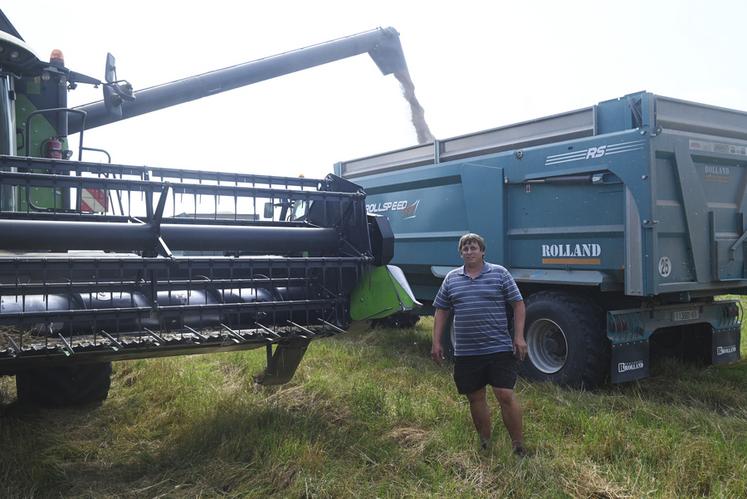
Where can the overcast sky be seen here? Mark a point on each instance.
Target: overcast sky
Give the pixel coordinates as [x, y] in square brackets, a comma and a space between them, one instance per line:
[475, 65]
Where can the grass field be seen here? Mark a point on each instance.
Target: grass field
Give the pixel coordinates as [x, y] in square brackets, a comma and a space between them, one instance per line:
[368, 414]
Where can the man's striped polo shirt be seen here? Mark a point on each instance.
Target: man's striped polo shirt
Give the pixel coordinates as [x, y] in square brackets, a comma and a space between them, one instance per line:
[479, 304]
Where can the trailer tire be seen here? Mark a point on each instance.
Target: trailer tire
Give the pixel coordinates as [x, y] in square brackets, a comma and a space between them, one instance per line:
[61, 386]
[566, 340]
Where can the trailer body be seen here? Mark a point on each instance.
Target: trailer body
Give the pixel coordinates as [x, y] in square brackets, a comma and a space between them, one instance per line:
[634, 206]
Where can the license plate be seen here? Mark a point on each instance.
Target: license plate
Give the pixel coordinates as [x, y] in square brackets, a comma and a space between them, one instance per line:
[685, 315]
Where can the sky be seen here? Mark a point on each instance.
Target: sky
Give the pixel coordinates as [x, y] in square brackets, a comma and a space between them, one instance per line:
[475, 65]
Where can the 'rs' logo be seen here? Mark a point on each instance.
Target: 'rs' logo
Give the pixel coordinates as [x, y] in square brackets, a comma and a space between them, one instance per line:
[595, 152]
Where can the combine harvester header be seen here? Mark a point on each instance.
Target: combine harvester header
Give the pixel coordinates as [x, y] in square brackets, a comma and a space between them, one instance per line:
[102, 262]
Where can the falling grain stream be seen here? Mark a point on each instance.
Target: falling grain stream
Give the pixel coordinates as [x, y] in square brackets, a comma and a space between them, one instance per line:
[416, 110]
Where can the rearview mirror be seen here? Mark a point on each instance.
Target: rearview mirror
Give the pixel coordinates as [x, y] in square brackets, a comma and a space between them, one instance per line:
[110, 73]
[269, 210]
[112, 100]
[115, 91]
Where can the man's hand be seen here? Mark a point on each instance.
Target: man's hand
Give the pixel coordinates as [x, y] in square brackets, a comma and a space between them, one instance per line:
[520, 348]
[437, 353]
[440, 318]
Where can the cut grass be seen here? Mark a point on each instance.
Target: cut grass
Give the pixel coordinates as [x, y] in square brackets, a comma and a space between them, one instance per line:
[368, 414]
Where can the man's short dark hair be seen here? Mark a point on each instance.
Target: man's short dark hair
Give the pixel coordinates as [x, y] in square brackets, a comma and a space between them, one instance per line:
[471, 238]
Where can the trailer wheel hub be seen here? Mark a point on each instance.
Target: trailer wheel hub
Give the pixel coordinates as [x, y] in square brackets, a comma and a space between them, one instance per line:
[547, 345]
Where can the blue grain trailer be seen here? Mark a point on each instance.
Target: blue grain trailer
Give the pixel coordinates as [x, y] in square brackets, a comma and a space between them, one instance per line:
[621, 222]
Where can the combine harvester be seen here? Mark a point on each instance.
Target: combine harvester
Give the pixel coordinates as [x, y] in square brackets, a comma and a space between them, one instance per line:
[621, 223]
[102, 262]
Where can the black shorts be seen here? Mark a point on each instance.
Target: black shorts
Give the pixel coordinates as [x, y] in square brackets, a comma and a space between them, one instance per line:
[472, 372]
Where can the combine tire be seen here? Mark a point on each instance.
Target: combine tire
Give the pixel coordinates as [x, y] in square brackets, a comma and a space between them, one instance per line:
[566, 341]
[61, 386]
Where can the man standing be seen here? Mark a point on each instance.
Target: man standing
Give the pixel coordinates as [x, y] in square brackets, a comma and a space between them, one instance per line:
[484, 352]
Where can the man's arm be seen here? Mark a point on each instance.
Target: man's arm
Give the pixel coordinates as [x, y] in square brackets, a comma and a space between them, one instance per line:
[440, 319]
[520, 346]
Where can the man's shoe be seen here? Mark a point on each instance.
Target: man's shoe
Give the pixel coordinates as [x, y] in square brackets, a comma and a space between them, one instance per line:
[520, 451]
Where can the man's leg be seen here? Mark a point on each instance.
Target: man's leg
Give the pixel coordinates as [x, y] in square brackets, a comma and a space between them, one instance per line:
[478, 407]
[511, 413]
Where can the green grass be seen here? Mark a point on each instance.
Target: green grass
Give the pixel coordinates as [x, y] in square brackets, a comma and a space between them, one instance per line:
[368, 414]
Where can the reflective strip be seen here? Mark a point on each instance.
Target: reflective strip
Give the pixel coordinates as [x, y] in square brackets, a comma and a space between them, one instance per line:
[93, 200]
